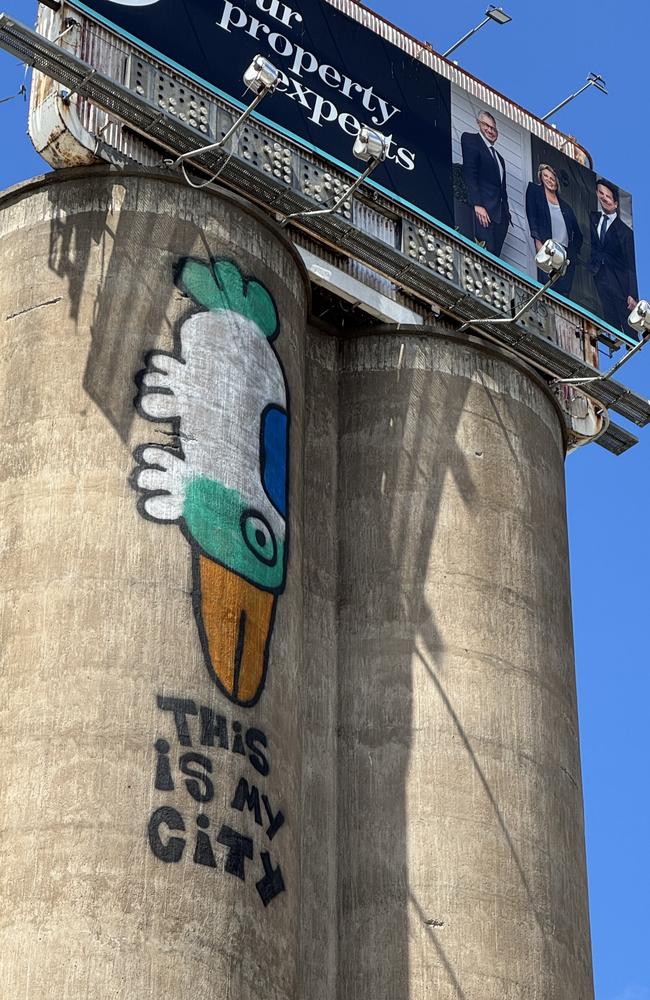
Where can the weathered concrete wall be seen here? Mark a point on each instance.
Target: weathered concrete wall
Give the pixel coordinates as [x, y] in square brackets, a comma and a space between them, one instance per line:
[319, 688]
[411, 756]
[460, 839]
[105, 895]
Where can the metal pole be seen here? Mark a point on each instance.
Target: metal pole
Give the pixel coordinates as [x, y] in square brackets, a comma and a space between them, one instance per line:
[217, 145]
[346, 194]
[465, 37]
[526, 306]
[606, 375]
[562, 104]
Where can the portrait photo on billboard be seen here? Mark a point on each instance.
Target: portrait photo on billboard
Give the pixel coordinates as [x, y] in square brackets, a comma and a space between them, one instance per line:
[513, 191]
[491, 166]
[592, 217]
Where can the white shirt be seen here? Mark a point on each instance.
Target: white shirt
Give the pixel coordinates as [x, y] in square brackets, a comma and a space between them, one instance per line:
[606, 221]
[558, 226]
[496, 155]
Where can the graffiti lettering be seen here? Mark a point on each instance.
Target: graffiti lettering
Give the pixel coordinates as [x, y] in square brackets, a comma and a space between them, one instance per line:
[213, 725]
[210, 727]
[238, 849]
[194, 771]
[249, 796]
[275, 821]
[272, 884]
[245, 796]
[181, 708]
[164, 781]
[199, 786]
[172, 849]
[203, 853]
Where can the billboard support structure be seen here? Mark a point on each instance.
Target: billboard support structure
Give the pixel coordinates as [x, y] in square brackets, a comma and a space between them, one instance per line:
[421, 264]
[369, 145]
[551, 258]
[593, 80]
[639, 320]
[261, 77]
[496, 14]
[450, 287]
[454, 158]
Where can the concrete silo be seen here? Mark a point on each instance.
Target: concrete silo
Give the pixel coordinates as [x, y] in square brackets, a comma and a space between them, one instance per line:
[288, 694]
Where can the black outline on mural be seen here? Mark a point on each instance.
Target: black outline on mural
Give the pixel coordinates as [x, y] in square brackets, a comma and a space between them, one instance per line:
[251, 514]
[176, 449]
[196, 606]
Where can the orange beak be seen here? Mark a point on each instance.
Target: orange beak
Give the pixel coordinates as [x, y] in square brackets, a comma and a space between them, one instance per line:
[235, 620]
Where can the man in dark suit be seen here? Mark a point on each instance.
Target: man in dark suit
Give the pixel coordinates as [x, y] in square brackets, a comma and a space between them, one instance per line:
[612, 260]
[484, 170]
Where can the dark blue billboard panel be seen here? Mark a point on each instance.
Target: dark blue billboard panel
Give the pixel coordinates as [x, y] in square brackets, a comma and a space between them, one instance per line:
[452, 158]
[336, 76]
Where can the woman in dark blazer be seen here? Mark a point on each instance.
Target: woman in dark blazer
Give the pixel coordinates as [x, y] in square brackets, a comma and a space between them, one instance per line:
[550, 217]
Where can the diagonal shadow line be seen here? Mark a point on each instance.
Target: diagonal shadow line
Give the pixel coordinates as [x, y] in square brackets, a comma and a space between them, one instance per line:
[426, 438]
[491, 798]
[499, 418]
[441, 952]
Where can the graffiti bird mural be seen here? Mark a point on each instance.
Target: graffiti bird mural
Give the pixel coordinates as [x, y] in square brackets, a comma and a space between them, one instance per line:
[225, 482]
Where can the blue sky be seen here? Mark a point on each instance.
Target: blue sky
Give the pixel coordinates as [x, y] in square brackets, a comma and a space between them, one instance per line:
[542, 56]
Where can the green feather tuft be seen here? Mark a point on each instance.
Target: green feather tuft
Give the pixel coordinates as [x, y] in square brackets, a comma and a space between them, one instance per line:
[197, 280]
[262, 309]
[229, 281]
[220, 285]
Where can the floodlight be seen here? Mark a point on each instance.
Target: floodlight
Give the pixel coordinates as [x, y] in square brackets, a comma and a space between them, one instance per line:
[496, 14]
[552, 259]
[261, 75]
[371, 147]
[593, 80]
[262, 78]
[639, 320]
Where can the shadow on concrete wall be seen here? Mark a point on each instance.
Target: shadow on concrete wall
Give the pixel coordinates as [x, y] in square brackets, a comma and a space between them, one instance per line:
[398, 447]
[116, 272]
[411, 418]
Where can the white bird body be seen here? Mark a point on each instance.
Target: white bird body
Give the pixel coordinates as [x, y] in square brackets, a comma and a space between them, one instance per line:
[219, 403]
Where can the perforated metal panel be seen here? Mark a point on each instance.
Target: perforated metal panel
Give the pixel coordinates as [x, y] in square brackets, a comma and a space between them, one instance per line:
[276, 159]
[495, 291]
[324, 186]
[176, 98]
[421, 243]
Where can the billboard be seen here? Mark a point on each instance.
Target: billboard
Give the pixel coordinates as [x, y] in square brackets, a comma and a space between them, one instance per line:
[513, 191]
[451, 158]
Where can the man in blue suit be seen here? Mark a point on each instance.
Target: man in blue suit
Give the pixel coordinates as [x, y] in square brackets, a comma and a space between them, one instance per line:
[484, 170]
[612, 260]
